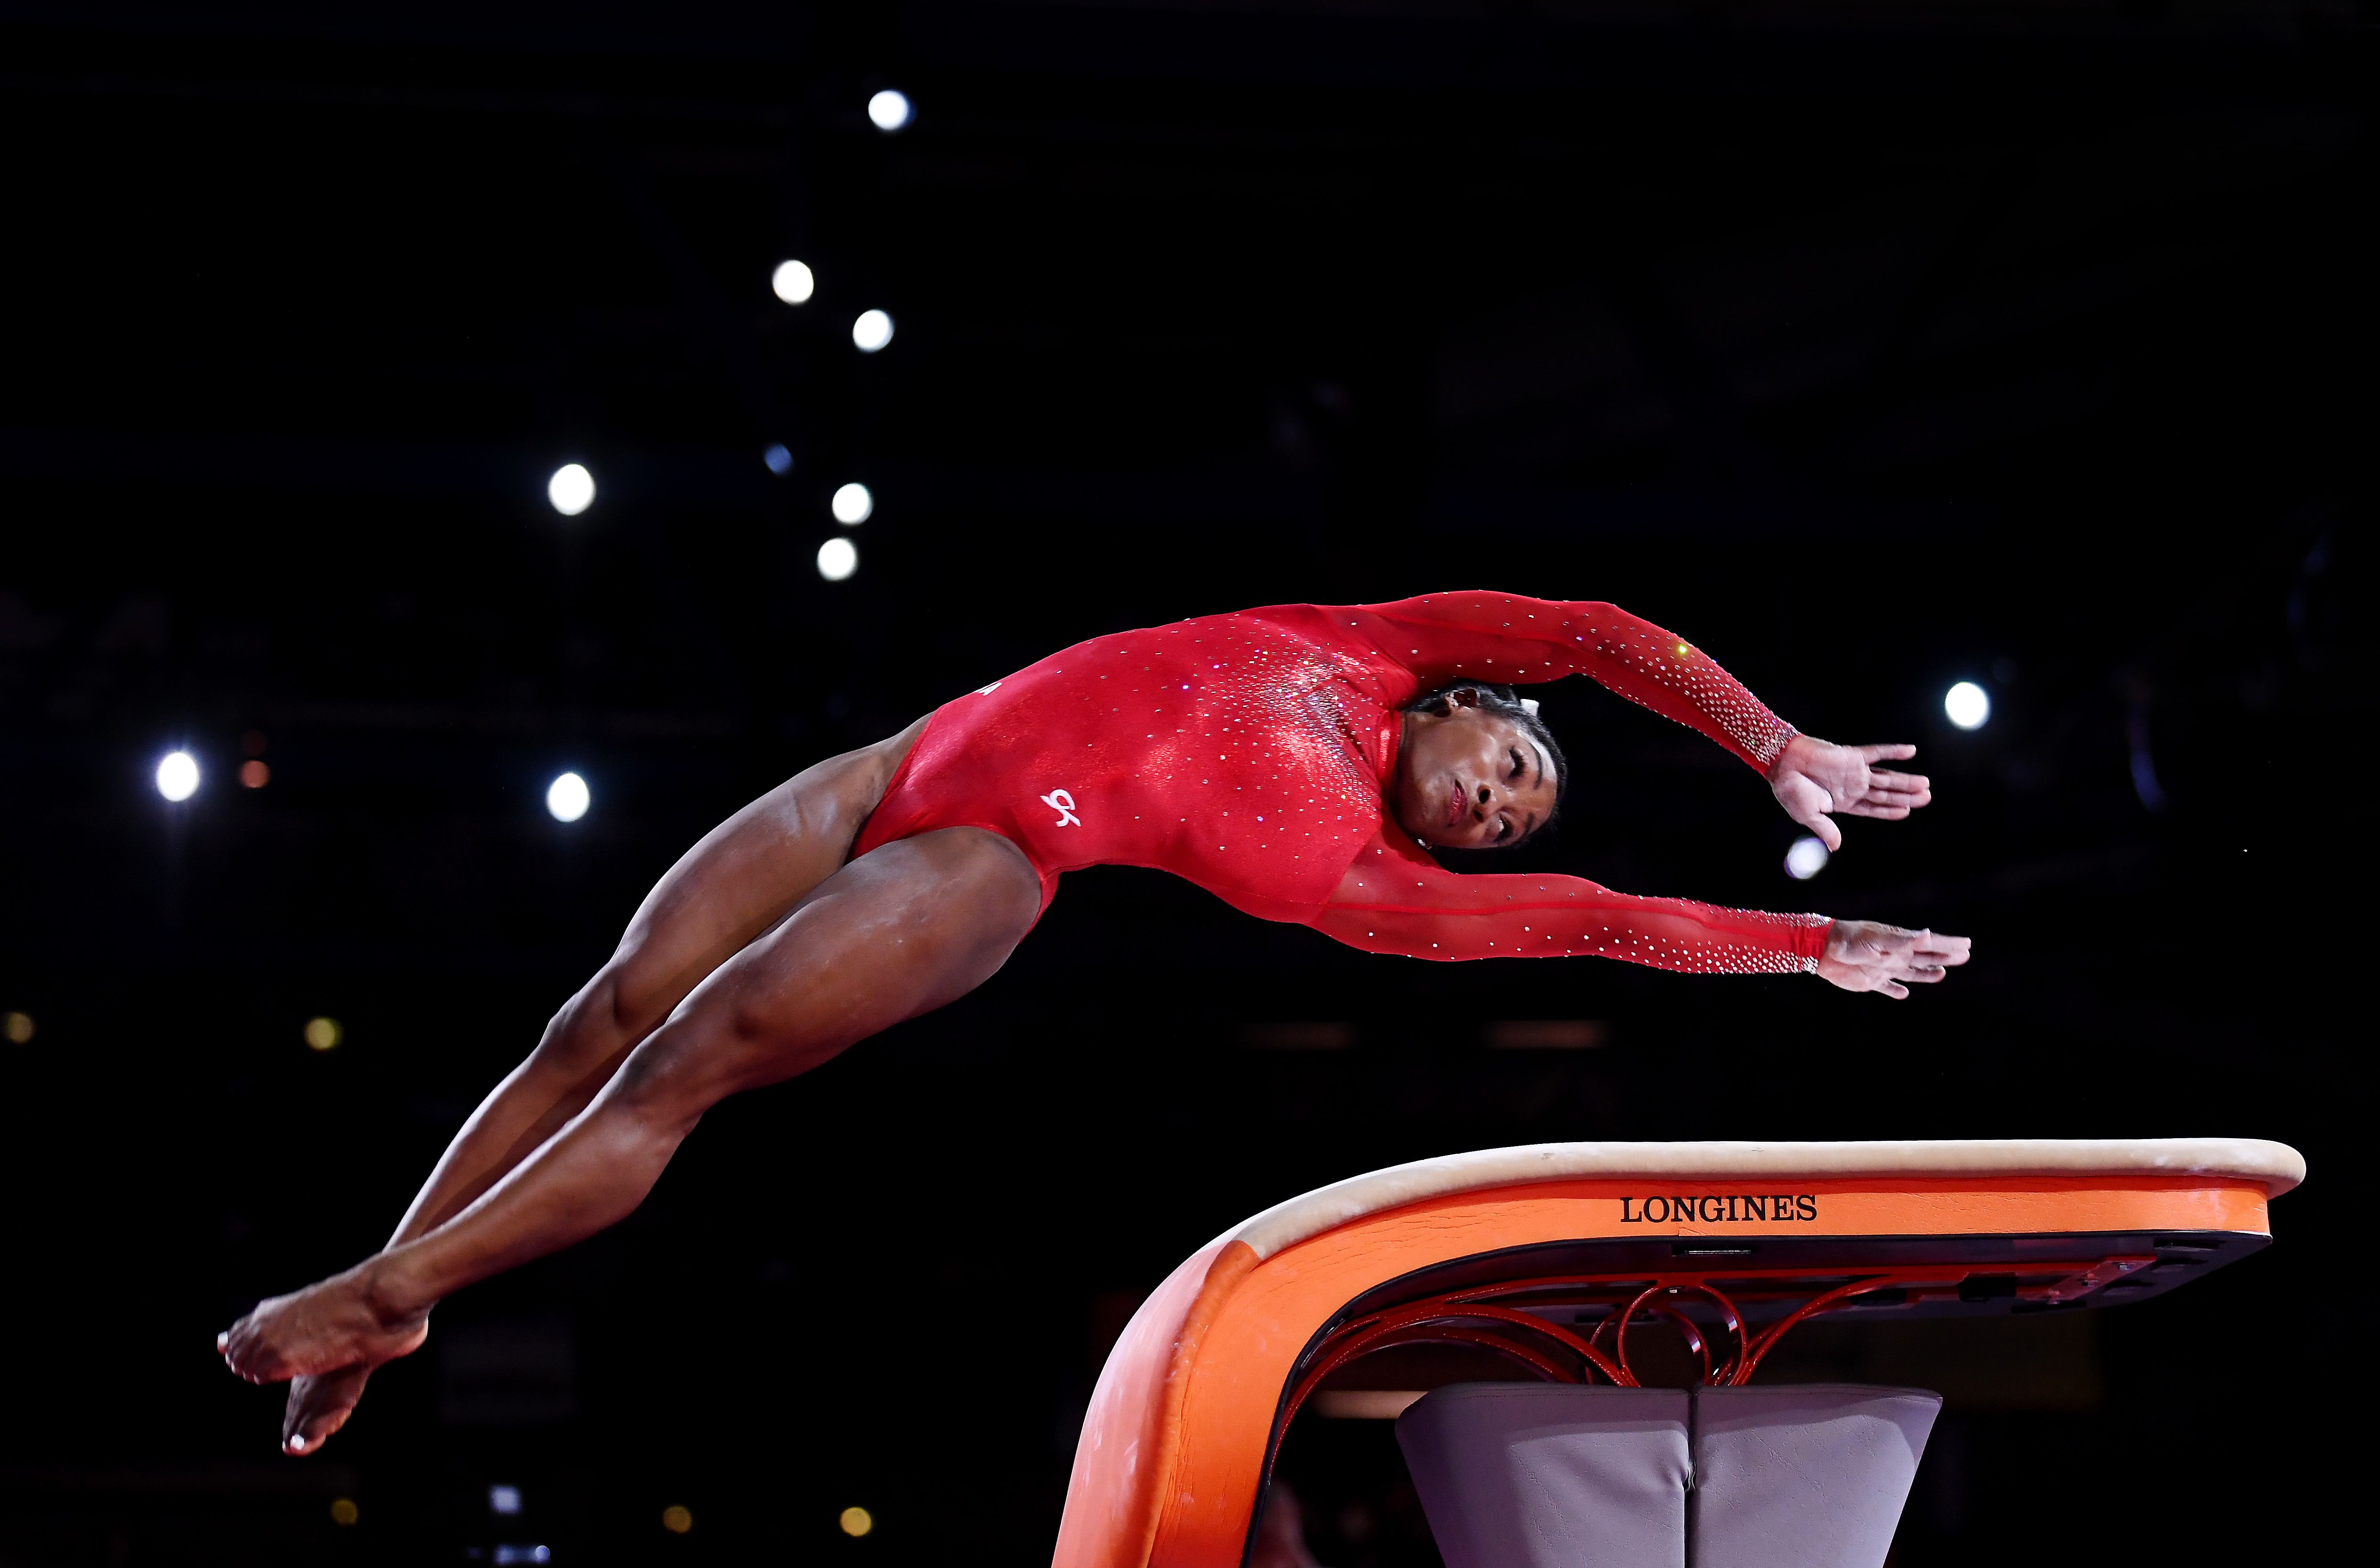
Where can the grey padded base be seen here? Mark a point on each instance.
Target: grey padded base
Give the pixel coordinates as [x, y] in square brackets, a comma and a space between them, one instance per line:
[1803, 1476]
[1551, 1475]
[1560, 1475]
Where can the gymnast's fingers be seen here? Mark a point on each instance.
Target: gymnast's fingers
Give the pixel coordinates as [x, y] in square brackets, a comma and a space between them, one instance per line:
[1900, 783]
[1895, 990]
[1894, 753]
[1891, 812]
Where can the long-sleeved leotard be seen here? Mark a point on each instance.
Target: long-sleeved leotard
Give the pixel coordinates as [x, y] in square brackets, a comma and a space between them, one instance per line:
[1252, 753]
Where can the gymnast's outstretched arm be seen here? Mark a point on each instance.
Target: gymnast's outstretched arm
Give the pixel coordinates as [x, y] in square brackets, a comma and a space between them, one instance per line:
[1396, 899]
[1511, 637]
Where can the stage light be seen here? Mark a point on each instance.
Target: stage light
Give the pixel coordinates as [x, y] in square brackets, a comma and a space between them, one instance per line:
[1805, 859]
[677, 1520]
[856, 1522]
[792, 283]
[1968, 705]
[343, 1510]
[852, 504]
[324, 1033]
[504, 1500]
[872, 331]
[177, 775]
[18, 1027]
[891, 110]
[254, 774]
[837, 559]
[572, 489]
[567, 797]
[779, 460]
[508, 1555]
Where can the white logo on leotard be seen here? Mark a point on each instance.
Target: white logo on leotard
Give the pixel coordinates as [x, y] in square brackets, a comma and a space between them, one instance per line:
[1058, 800]
[986, 691]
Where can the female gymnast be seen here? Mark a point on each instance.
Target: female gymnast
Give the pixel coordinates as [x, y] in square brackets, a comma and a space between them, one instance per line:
[1298, 762]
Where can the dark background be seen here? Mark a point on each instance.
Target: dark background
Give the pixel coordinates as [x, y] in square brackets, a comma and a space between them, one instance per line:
[1872, 345]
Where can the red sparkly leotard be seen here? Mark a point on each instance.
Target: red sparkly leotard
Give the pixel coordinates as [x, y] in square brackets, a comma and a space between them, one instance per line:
[1251, 754]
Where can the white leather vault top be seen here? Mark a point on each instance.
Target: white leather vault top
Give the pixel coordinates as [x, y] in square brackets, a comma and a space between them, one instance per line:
[2277, 1165]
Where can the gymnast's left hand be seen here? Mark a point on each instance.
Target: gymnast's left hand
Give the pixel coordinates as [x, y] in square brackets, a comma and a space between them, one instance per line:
[1811, 777]
[1869, 955]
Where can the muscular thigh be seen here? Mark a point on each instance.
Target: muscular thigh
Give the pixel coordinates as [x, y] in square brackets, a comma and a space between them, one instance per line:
[744, 875]
[905, 929]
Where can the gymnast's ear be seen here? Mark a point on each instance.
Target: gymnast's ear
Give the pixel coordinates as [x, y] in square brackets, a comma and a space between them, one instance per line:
[1461, 697]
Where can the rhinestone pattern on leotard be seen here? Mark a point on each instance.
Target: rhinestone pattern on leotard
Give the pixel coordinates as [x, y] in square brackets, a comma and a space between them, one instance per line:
[1249, 753]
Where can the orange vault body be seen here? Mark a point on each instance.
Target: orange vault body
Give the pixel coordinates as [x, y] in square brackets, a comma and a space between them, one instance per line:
[1545, 1254]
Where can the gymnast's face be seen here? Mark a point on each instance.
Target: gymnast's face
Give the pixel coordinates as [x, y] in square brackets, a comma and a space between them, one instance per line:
[1469, 779]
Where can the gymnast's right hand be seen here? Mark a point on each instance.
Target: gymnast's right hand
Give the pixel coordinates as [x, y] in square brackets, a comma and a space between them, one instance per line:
[1866, 955]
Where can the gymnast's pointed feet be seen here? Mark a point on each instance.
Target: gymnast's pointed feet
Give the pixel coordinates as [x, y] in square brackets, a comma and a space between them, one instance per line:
[1866, 955]
[346, 1320]
[318, 1407]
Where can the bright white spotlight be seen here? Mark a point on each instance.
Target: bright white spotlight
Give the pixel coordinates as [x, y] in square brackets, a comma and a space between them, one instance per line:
[572, 489]
[567, 798]
[1968, 705]
[891, 110]
[177, 775]
[1805, 859]
[853, 506]
[792, 282]
[837, 559]
[779, 460]
[872, 331]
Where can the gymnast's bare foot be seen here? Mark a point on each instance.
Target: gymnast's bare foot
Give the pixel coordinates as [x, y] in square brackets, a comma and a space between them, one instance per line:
[318, 1407]
[340, 1322]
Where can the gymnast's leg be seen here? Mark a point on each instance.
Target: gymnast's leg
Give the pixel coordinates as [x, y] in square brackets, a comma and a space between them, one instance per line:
[738, 881]
[903, 930]
[735, 884]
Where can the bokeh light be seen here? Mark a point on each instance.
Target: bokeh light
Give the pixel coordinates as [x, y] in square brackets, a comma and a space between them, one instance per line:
[504, 1500]
[792, 282]
[856, 1521]
[1805, 859]
[871, 331]
[837, 559]
[343, 1510]
[18, 1027]
[779, 457]
[676, 1519]
[567, 797]
[891, 109]
[852, 504]
[572, 489]
[324, 1033]
[254, 774]
[177, 775]
[1967, 705]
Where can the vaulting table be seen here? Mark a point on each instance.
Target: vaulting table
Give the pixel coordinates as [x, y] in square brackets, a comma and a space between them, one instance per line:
[1546, 1254]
